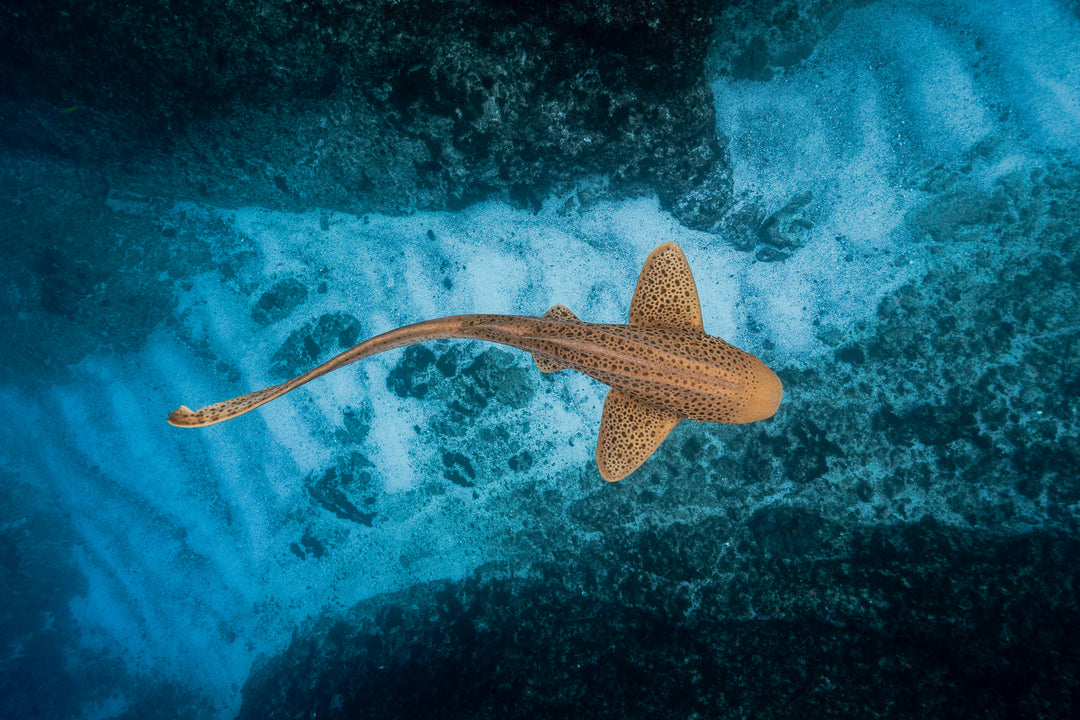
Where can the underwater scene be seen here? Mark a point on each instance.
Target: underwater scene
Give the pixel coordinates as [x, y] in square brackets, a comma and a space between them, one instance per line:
[515, 512]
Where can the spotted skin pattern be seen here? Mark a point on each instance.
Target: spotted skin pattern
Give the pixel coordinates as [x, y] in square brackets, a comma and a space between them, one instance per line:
[661, 367]
[666, 295]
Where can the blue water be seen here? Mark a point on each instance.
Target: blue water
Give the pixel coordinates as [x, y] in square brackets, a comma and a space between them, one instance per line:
[146, 564]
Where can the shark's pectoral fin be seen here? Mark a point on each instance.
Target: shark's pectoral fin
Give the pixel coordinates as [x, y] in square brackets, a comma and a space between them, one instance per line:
[666, 295]
[546, 364]
[630, 431]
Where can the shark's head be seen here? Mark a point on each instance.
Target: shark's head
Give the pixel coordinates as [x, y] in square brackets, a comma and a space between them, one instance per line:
[765, 400]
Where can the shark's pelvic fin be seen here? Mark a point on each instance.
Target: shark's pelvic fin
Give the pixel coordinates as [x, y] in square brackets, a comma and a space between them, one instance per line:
[544, 363]
[666, 296]
[560, 312]
[630, 431]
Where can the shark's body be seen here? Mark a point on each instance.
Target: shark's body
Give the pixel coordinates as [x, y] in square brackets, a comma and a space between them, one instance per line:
[661, 367]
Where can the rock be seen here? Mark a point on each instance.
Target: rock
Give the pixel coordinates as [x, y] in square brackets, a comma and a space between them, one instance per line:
[389, 106]
[279, 301]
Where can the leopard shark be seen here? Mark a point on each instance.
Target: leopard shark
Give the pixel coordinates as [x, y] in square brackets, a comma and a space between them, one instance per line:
[661, 366]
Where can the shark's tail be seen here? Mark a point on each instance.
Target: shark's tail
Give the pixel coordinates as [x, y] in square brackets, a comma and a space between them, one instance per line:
[442, 328]
[184, 416]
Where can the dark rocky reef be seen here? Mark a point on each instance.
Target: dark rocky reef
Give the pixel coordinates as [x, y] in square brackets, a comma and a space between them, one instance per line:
[804, 618]
[391, 105]
[900, 541]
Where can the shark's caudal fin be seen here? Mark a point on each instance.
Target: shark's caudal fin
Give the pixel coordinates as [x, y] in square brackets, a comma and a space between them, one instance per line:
[631, 430]
[226, 409]
[546, 365]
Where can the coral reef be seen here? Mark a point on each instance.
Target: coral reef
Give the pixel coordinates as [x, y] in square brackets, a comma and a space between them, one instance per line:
[387, 106]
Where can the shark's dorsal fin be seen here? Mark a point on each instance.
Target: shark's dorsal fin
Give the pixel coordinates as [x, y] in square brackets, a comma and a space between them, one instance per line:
[630, 431]
[666, 296]
[545, 364]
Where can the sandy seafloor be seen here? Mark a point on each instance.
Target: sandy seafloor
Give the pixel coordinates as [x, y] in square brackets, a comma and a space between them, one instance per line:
[923, 162]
